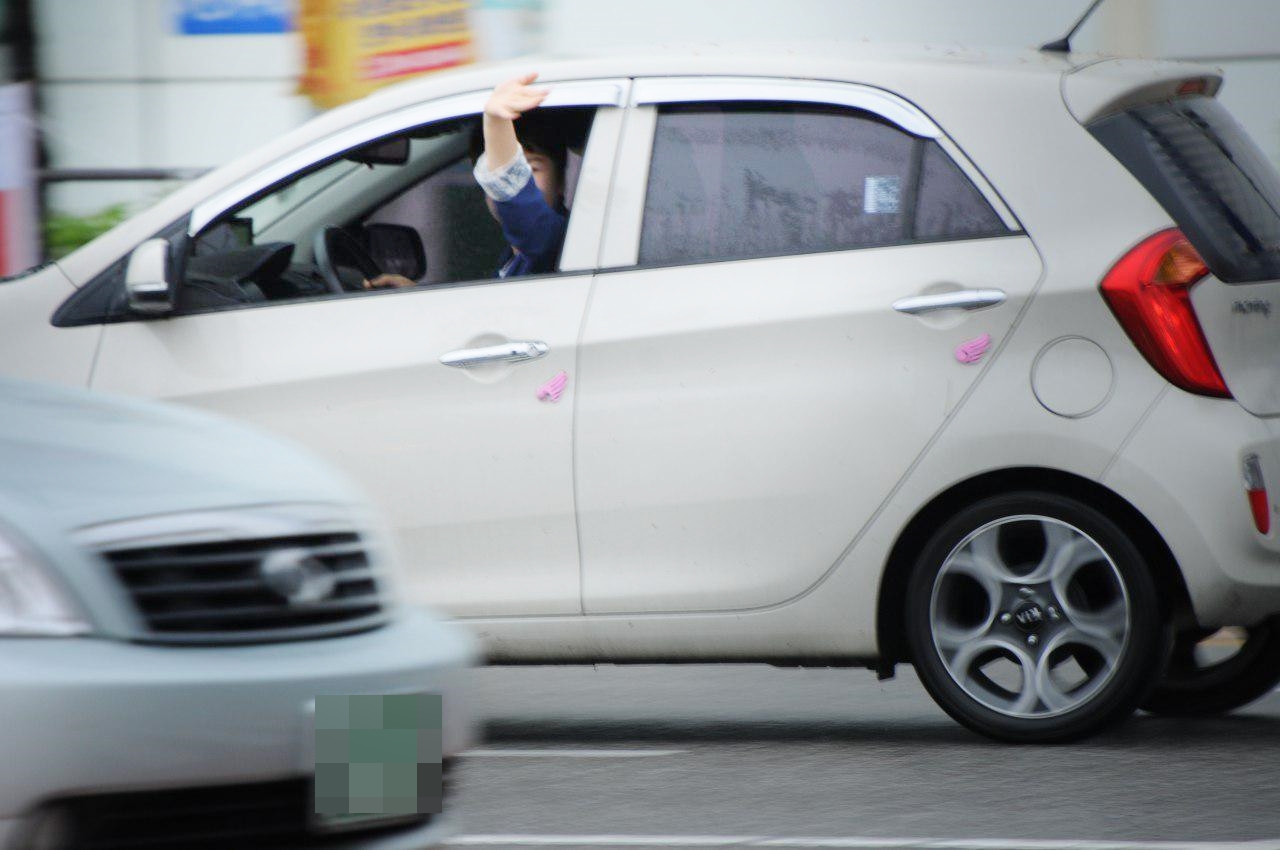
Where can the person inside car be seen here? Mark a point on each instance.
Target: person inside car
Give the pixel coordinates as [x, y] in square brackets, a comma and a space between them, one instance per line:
[521, 170]
[522, 173]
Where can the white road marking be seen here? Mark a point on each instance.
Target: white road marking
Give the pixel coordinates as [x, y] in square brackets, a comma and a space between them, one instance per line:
[862, 843]
[1017, 844]
[597, 840]
[566, 753]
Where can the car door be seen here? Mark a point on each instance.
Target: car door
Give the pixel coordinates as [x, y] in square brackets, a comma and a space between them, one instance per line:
[434, 398]
[799, 283]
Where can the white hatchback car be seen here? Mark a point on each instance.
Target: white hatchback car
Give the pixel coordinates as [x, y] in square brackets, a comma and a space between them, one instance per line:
[853, 356]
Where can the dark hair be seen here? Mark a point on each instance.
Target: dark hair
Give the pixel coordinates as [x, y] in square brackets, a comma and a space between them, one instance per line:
[536, 131]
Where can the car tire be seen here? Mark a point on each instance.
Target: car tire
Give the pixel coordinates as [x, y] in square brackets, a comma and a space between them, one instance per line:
[1033, 618]
[1194, 687]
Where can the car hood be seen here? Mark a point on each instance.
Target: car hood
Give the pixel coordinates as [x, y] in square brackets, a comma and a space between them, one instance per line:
[81, 459]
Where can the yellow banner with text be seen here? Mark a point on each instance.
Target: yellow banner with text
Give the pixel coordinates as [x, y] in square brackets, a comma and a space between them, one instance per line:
[356, 46]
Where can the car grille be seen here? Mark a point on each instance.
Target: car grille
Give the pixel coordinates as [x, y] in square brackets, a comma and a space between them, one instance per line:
[249, 591]
[263, 816]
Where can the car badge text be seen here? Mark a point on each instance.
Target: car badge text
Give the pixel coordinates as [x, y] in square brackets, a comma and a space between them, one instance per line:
[1251, 306]
[297, 576]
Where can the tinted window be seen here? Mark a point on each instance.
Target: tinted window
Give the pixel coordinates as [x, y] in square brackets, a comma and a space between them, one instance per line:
[730, 181]
[949, 205]
[1210, 177]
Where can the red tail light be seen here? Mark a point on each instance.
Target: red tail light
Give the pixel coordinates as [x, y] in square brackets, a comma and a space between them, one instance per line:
[1149, 290]
[1256, 490]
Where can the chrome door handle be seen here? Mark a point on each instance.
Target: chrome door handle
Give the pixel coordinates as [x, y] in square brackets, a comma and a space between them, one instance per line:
[965, 299]
[508, 352]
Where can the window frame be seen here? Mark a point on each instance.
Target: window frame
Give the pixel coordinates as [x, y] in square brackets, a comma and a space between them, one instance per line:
[612, 92]
[620, 248]
[580, 250]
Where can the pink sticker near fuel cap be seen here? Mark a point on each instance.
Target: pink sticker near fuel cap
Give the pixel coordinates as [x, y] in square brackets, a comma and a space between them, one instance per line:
[971, 352]
[554, 388]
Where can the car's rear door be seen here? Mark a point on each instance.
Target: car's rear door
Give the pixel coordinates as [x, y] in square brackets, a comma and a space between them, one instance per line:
[800, 281]
[470, 463]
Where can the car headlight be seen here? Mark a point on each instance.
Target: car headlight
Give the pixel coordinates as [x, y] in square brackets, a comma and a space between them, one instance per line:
[31, 601]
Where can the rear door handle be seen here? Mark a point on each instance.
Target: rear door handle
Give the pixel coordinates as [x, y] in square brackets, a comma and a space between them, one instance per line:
[965, 299]
[515, 351]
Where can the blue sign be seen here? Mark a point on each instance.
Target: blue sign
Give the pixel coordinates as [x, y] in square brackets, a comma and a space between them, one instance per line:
[234, 17]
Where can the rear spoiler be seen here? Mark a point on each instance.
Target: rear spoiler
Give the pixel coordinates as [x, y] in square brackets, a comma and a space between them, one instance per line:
[1109, 86]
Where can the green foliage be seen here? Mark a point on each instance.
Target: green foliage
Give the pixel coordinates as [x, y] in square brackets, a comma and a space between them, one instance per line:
[64, 233]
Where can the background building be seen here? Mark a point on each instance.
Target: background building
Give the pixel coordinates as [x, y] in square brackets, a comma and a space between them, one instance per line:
[162, 85]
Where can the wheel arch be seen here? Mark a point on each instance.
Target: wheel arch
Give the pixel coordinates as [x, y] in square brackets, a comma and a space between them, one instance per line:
[1175, 599]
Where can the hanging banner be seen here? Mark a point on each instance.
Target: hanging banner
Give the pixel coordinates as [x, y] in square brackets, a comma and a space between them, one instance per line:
[234, 17]
[19, 239]
[356, 46]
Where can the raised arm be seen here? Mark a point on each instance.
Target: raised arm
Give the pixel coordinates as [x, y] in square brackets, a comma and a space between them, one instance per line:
[508, 102]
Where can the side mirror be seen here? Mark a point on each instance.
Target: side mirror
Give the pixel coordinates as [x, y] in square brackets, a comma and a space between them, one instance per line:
[397, 249]
[146, 279]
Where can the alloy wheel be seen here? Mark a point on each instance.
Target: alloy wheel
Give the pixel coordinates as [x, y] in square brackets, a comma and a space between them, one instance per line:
[1029, 616]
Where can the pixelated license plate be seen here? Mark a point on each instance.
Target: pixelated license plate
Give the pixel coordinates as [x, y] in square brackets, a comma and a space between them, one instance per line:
[376, 760]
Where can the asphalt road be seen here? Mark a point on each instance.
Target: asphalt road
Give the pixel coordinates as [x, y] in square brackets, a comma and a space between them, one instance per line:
[755, 756]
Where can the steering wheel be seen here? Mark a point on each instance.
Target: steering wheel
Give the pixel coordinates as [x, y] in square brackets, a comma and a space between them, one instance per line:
[335, 248]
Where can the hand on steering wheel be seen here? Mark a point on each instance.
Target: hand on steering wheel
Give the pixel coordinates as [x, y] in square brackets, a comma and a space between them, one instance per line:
[336, 248]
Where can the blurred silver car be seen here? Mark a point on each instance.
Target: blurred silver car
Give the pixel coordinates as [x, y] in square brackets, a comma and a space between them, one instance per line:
[175, 593]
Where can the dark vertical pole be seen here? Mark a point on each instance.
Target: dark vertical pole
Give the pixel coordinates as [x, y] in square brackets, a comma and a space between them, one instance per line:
[19, 36]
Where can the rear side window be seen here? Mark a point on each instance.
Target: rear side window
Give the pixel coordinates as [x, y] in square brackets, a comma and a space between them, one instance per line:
[950, 206]
[1210, 177]
[732, 181]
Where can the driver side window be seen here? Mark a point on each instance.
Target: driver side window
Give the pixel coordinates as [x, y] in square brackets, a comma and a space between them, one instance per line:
[405, 205]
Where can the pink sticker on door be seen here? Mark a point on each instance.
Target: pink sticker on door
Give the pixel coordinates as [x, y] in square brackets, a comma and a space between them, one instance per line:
[971, 352]
[554, 388]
